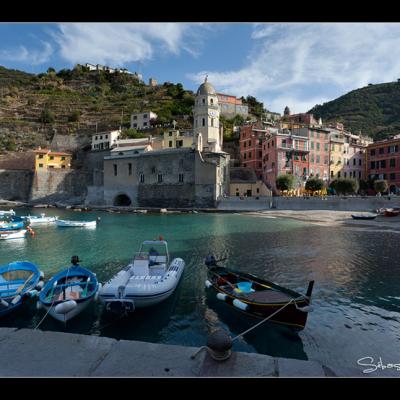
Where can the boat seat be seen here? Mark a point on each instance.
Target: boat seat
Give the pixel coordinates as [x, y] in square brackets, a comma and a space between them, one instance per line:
[158, 259]
[267, 296]
[141, 267]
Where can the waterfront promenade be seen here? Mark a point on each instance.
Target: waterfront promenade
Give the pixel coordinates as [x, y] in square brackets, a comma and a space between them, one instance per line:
[35, 353]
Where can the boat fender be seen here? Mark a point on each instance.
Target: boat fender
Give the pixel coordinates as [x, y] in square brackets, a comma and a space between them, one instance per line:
[96, 296]
[16, 299]
[33, 293]
[65, 307]
[239, 304]
[38, 305]
[221, 296]
[208, 284]
[41, 275]
[4, 303]
[307, 309]
[39, 285]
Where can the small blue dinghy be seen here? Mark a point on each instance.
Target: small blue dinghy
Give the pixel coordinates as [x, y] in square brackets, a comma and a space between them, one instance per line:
[17, 280]
[69, 292]
[11, 226]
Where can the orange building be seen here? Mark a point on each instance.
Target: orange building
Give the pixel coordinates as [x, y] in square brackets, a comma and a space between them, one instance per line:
[47, 159]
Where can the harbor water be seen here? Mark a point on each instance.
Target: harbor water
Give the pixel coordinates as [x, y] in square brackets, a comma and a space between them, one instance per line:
[356, 270]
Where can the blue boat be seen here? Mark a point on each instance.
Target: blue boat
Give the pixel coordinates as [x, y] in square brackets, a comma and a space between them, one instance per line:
[17, 280]
[11, 226]
[69, 292]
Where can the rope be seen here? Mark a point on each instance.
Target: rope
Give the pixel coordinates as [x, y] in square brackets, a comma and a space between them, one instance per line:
[37, 326]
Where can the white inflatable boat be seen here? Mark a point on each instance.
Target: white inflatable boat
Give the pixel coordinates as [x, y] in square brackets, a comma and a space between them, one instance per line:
[148, 280]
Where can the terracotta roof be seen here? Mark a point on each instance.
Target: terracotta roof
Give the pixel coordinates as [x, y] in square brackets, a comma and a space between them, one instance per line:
[53, 153]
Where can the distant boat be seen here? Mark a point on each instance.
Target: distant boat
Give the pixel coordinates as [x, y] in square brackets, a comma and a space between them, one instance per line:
[4, 235]
[42, 220]
[11, 226]
[74, 224]
[9, 212]
[148, 280]
[69, 292]
[257, 297]
[18, 279]
[391, 212]
[363, 216]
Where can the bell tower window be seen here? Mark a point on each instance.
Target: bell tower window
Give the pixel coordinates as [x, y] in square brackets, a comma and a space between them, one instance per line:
[204, 101]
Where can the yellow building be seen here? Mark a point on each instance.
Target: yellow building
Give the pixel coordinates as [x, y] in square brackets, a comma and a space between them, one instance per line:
[336, 155]
[174, 139]
[244, 183]
[47, 159]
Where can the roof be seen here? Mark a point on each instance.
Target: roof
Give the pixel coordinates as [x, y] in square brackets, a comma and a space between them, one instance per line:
[242, 175]
[127, 148]
[206, 88]
[53, 153]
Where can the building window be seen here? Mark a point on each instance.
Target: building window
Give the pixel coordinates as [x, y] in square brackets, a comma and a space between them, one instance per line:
[130, 169]
[204, 101]
[345, 174]
[381, 150]
[153, 170]
[135, 125]
[181, 178]
[62, 158]
[244, 155]
[170, 143]
[212, 121]
[260, 154]
[51, 157]
[258, 190]
[392, 176]
[203, 122]
[141, 178]
[212, 101]
[272, 143]
[244, 144]
[338, 174]
[326, 147]
[331, 174]
[135, 117]
[145, 116]
[101, 137]
[359, 174]
[115, 169]
[383, 163]
[159, 178]
[40, 165]
[170, 133]
[144, 123]
[106, 136]
[318, 159]
[312, 145]
[40, 155]
[354, 161]
[372, 152]
[318, 145]
[62, 166]
[392, 162]
[372, 164]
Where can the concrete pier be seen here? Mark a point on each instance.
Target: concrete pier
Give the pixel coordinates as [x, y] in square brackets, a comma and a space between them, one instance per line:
[35, 353]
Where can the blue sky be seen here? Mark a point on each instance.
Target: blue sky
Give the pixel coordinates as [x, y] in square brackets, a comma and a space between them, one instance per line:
[294, 64]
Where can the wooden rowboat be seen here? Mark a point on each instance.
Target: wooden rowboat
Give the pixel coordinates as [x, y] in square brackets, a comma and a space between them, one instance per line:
[257, 297]
[390, 212]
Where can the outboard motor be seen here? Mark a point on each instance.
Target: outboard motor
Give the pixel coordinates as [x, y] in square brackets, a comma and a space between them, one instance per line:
[210, 261]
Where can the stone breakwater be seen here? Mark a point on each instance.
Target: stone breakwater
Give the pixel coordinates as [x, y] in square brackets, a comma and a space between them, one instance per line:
[35, 353]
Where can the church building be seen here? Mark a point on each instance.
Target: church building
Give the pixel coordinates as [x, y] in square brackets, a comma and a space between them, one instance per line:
[174, 177]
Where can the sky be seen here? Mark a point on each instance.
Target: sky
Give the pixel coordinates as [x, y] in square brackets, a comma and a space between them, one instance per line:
[282, 64]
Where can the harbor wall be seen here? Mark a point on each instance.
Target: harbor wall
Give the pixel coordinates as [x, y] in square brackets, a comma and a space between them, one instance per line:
[333, 203]
[16, 185]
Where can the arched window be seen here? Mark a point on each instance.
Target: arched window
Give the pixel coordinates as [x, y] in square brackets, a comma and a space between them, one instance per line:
[204, 101]
[212, 101]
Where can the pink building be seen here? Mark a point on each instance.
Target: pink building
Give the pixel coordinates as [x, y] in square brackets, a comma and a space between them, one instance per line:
[250, 142]
[284, 152]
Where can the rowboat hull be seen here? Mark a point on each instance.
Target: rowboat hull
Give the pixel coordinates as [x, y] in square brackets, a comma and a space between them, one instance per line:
[73, 313]
[393, 213]
[285, 303]
[76, 224]
[367, 217]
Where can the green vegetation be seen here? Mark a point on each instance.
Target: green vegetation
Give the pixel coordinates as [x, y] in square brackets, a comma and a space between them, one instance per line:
[285, 182]
[314, 184]
[255, 107]
[380, 186]
[132, 134]
[47, 117]
[374, 110]
[228, 124]
[344, 186]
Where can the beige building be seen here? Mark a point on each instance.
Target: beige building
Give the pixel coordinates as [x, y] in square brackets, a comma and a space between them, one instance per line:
[175, 139]
[243, 182]
[47, 159]
[142, 120]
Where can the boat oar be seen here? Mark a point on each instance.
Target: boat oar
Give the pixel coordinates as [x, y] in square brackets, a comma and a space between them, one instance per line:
[219, 276]
[17, 296]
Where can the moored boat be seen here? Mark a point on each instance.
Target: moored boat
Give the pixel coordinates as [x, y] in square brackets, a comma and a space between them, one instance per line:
[391, 212]
[148, 280]
[42, 220]
[364, 216]
[74, 224]
[258, 297]
[5, 212]
[17, 280]
[5, 235]
[69, 292]
[11, 225]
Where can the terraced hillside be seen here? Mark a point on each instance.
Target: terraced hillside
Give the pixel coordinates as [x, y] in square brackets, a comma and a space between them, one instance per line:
[34, 107]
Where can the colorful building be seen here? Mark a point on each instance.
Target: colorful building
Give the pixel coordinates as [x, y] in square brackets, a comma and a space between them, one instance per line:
[383, 162]
[230, 106]
[244, 183]
[251, 141]
[47, 159]
[285, 152]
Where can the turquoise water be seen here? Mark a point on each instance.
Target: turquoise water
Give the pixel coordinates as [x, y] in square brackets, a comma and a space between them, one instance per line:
[356, 272]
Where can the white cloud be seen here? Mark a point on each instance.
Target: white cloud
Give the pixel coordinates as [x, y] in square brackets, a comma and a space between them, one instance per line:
[24, 55]
[290, 61]
[121, 43]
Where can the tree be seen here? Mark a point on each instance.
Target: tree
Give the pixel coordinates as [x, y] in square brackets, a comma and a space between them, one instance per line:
[51, 70]
[132, 134]
[75, 116]
[314, 184]
[285, 182]
[47, 117]
[380, 185]
[344, 186]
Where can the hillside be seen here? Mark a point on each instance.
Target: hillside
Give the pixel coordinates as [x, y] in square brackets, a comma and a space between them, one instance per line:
[374, 109]
[34, 107]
